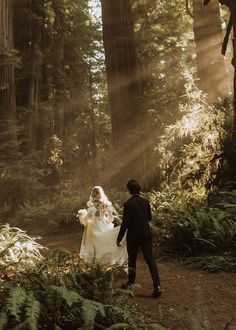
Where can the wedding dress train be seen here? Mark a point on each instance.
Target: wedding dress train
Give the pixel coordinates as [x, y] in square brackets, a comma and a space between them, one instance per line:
[99, 237]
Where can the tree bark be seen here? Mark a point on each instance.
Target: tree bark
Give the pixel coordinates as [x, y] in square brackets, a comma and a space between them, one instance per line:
[128, 128]
[7, 69]
[232, 7]
[33, 95]
[35, 36]
[208, 35]
[93, 127]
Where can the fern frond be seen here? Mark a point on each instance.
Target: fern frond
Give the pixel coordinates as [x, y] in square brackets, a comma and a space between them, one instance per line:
[16, 301]
[69, 296]
[119, 326]
[205, 241]
[58, 328]
[90, 309]
[3, 320]
[124, 316]
[33, 309]
[22, 326]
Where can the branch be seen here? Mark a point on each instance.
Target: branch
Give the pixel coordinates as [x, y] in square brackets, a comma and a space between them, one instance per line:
[188, 9]
[226, 38]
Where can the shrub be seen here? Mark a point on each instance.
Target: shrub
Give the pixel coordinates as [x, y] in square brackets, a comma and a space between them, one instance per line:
[215, 263]
[192, 149]
[21, 175]
[56, 294]
[58, 213]
[18, 251]
[185, 223]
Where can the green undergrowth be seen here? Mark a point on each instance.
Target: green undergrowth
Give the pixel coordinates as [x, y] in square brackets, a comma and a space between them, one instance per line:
[197, 226]
[213, 263]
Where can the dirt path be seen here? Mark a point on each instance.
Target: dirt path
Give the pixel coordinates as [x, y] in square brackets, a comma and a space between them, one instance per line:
[191, 299]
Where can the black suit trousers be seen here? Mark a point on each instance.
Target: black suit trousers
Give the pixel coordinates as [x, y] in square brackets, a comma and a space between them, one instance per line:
[133, 245]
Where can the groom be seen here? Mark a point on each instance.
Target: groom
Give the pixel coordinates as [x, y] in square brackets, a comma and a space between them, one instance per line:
[136, 218]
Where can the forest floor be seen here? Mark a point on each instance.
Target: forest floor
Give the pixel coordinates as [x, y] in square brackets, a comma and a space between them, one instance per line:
[191, 299]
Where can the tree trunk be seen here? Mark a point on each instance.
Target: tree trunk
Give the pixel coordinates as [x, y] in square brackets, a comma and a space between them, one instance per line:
[208, 35]
[59, 110]
[233, 13]
[231, 153]
[93, 128]
[234, 101]
[7, 69]
[124, 91]
[33, 95]
[35, 36]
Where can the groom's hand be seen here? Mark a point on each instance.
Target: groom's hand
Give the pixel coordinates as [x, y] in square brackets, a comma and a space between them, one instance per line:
[118, 243]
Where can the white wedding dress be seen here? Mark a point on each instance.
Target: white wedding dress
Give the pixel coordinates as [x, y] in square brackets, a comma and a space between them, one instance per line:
[99, 237]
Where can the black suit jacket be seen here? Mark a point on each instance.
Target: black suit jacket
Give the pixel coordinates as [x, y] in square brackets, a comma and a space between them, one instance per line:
[136, 217]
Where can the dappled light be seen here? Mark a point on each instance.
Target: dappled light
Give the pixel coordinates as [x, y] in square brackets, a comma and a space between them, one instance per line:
[18, 251]
[96, 93]
[194, 143]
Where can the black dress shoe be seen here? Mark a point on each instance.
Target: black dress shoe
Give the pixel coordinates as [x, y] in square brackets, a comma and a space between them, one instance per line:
[156, 293]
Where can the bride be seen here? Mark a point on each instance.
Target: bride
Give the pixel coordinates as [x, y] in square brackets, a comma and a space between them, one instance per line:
[99, 237]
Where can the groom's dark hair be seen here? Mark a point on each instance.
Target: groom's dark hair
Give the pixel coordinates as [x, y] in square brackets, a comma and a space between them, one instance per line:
[133, 187]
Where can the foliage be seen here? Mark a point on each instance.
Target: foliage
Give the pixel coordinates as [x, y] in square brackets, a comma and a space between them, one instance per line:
[214, 263]
[9, 56]
[21, 179]
[186, 224]
[62, 134]
[117, 198]
[191, 150]
[18, 251]
[33, 186]
[61, 142]
[225, 198]
[165, 51]
[58, 213]
[62, 42]
[57, 293]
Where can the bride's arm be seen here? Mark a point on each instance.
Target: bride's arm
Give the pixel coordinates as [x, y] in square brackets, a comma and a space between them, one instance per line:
[82, 216]
[85, 216]
[110, 216]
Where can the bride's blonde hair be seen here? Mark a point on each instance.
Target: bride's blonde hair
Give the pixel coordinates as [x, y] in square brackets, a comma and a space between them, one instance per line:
[98, 198]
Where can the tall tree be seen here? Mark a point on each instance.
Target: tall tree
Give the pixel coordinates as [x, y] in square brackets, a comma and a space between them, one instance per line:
[208, 36]
[7, 57]
[231, 4]
[123, 88]
[35, 36]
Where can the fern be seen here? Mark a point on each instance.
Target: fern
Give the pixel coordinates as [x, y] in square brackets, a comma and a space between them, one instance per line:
[120, 314]
[33, 309]
[69, 296]
[16, 302]
[17, 249]
[22, 326]
[51, 295]
[119, 326]
[90, 310]
[3, 320]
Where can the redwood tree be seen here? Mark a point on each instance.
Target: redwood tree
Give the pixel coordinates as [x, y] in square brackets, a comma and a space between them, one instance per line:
[231, 4]
[124, 90]
[208, 39]
[7, 58]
